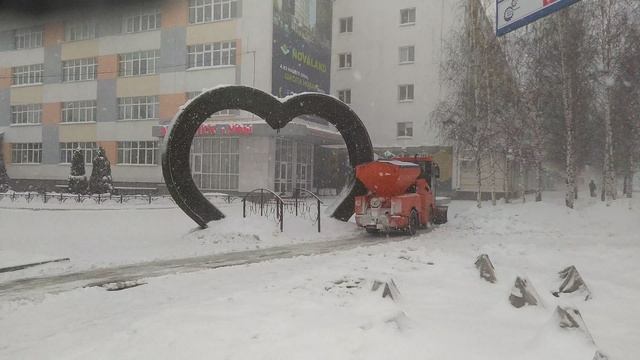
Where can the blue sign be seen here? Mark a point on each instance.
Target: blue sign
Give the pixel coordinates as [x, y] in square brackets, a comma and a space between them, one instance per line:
[514, 14]
[301, 46]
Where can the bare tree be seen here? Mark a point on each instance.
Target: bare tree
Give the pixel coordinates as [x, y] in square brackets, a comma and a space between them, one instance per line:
[567, 100]
[610, 26]
[460, 117]
[527, 61]
[626, 107]
[479, 103]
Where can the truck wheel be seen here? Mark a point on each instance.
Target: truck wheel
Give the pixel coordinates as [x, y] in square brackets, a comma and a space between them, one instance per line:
[414, 222]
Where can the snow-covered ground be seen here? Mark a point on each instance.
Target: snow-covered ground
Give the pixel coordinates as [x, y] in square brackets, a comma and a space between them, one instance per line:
[321, 307]
[94, 239]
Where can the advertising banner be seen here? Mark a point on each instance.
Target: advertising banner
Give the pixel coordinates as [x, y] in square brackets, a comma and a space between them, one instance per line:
[301, 46]
[514, 14]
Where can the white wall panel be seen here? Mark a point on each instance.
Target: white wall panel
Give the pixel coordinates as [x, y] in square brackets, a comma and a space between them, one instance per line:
[21, 57]
[119, 44]
[82, 90]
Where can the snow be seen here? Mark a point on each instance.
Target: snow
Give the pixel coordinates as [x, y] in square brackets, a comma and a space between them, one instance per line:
[70, 202]
[320, 307]
[399, 163]
[304, 93]
[10, 258]
[94, 238]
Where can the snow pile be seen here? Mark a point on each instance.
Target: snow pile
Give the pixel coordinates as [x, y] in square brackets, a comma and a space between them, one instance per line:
[236, 233]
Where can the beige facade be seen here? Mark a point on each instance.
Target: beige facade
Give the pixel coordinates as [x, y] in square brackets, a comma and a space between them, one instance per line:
[97, 103]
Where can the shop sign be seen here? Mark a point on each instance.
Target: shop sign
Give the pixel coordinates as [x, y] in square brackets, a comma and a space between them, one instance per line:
[216, 130]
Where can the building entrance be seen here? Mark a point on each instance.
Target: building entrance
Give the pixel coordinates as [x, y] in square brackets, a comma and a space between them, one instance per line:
[293, 166]
[215, 163]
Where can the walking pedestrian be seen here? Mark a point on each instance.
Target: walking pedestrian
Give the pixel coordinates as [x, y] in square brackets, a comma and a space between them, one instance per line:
[592, 188]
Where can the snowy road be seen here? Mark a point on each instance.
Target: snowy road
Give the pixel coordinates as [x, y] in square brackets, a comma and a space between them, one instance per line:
[69, 281]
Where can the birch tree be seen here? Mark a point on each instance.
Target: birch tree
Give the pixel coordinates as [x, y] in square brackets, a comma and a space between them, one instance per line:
[462, 118]
[567, 78]
[626, 110]
[610, 26]
[527, 61]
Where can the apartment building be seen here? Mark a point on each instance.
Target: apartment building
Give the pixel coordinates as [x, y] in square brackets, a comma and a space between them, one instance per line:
[386, 65]
[114, 78]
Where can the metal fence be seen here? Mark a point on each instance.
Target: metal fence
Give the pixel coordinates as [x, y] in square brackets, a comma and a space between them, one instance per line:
[60, 198]
[264, 202]
[47, 197]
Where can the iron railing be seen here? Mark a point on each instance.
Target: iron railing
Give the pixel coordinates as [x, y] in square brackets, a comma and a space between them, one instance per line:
[305, 210]
[47, 197]
[267, 203]
[264, 199]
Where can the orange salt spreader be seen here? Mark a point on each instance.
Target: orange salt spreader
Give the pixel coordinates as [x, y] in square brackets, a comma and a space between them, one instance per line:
[401, 195]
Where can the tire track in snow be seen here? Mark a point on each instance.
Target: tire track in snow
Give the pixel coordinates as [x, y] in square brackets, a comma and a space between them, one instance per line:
[27, 287]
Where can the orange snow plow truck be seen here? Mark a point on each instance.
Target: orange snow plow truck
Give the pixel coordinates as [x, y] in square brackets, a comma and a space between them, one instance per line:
[401, 195]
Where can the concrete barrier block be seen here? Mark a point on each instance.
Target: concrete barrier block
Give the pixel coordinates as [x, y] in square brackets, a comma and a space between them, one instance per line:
[570, 318]
[571, 282]
[487, 271]
[388, 289]
[523, 293]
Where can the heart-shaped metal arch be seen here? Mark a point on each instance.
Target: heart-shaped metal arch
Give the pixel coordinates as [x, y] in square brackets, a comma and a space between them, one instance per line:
[175, 156]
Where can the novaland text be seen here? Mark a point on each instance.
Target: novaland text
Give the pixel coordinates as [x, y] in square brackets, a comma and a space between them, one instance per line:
[308, 60]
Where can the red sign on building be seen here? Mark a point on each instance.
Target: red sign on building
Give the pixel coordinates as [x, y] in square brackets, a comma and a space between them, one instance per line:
[221, 130]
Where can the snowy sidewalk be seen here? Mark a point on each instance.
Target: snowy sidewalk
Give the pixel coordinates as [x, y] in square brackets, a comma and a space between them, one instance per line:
[103, 239]
[68, 281]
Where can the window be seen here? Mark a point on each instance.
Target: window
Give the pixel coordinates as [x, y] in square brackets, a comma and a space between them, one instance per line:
[407, 54]
[79, 111]
[138, 63]
[228, 112]
[142, 21]
[285, 149]
[26, 114]
[408, 16]
[137, 152]
[405, 129]
[214, 54]
[26, 153]
[304, 165]
[346, 25]
[74, 31]
[405, 92]
[28, 38]
[202, 11]
[215, 163]
[138, 108]
[344, 61]
[27, 74]
[345, 96]
[89, 150]
[79, 69]
[467, 160]
[193, 94]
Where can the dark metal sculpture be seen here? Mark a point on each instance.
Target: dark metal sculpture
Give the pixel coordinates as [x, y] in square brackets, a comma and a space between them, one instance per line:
[175, 156]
